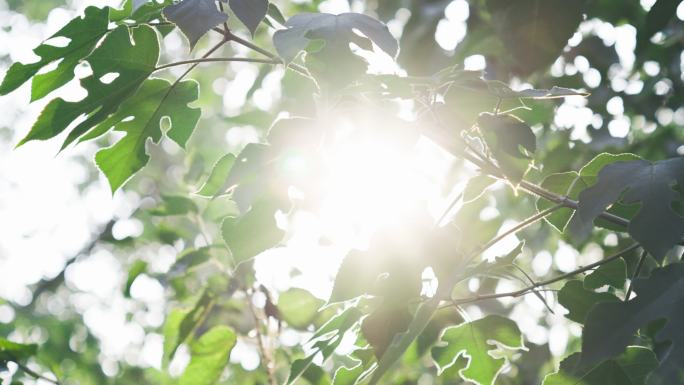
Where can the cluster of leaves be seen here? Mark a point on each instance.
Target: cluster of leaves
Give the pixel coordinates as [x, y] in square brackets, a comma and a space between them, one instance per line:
[378, 295]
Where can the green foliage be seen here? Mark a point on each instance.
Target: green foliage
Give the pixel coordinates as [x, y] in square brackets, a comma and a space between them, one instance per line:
[83, 34]
[475, 340]
[312, 108]
[610, 327]
[630, 368]
[209, 356]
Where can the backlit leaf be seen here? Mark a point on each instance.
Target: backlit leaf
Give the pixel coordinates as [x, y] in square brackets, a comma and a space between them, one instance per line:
[250, 12]
[83, 34]
[209, 356]
[476, 340]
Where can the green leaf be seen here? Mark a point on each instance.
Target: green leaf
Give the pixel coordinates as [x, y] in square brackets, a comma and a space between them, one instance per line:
[174, 205]
[253, 233]
[476, 187]
[83, 34]
[336, 30]
[298, 307]
[511, 141]
[630, 368]
[171, 332]
[402, 341]
[116, 54]
[191, 258]
[610, 327]
[209, 356]
[383, 324]
[656, 226]
[182, 322]
[250, 12]
[535, 32]
[579, 300]
[571, 183]
[215, 184]
[158, 101]
[13, 351]
[138, 267]
[195, 17]
[475, 340]
[612, 274]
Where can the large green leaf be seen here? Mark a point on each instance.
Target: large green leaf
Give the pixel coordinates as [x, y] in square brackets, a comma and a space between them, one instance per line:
[254, 232]
[157, 101]
[579, 300]
[83, 34]
[209, 356]
[610, 327]
[612, 274]
[475, 340]
[132, 54]
[336, 30]
[195, 17]
[511, 142]
[535, 32]
[656, 226]
[571, 183]
[630, 368]
[657, 19]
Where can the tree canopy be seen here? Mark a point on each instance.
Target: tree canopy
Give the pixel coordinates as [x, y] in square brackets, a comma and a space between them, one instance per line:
[363, 192]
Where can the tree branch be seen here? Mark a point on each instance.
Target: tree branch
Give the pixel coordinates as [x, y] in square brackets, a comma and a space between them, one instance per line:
[531, 288]
[35, 375]
[218, 59]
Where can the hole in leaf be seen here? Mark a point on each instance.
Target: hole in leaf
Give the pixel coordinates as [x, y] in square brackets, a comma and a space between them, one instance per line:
[58, 41]
[109, 77]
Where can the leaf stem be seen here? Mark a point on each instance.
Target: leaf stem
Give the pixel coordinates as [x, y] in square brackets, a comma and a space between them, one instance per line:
[531, 288]
[217, 59]
[635, 275]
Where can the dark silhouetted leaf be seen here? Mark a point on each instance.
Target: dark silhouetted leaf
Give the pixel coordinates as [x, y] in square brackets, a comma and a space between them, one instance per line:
[380, 327]
[195, 17]
[610, 327]
[630, 368]
[475, 340]
[13, 351]
[612, 274]
[656, 226]
[579, 300]
[336, 30]
[83, 34]
[250, 12]
[657, 18]
[511, 142]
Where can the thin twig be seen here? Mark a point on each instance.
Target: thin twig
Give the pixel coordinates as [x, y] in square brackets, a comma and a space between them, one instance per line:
[217, 59]
[635, 275]
[265, 355]
[34, 374]
[526, 290]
